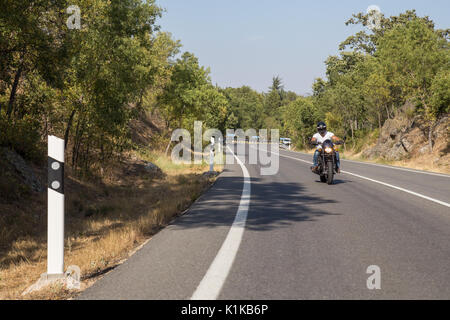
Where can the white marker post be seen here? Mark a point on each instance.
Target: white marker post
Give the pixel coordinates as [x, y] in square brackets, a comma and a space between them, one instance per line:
[55, 228]
[211, 156]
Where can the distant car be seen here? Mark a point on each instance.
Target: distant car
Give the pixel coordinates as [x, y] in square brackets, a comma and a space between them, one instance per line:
[285, 141]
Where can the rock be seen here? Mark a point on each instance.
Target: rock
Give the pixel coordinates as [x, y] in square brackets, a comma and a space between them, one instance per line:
[407, 145]
[70, 279]
[397, 152]
[424, 149]
[142, 168]
[210, 174]
[441, 130]
[151, 167]
[406, 136]
[23, 169]
[371, 153]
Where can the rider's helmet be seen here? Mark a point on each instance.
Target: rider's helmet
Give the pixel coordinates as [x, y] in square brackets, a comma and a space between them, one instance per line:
[322, 128]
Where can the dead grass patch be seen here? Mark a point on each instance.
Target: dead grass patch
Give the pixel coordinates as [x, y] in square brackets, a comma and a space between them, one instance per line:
[105, 221]
[426, 162]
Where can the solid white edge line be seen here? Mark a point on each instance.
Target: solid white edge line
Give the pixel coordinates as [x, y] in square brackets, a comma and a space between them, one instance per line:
[212, 283]
[401, 189]
[384, 184]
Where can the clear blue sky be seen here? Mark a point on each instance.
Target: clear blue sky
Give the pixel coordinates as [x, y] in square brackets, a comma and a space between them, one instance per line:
[247, 42]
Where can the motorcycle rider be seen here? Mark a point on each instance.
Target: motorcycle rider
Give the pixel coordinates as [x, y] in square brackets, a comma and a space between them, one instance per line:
[322, 135]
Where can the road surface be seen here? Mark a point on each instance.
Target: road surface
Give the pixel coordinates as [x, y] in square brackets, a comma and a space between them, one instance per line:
[288, 236]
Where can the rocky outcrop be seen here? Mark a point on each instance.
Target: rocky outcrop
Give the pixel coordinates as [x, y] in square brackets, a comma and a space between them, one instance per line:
[210, 174]
[141, 167]
[23, 169]
[406, 137]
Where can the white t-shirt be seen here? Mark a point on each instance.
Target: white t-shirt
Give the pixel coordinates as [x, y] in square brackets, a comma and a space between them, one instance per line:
[321, 139]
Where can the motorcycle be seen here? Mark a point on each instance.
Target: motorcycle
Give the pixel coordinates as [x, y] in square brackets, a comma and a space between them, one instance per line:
[327, 160]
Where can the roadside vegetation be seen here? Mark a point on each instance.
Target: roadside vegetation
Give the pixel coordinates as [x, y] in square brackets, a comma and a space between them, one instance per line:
[105, 221]
[115, 90]
[88, 84]
[387, 92]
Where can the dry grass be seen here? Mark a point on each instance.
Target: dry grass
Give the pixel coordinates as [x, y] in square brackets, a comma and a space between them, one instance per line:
[104, 223]
[424, 162]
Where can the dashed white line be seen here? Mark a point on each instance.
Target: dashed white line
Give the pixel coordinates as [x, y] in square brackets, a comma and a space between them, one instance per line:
[212, 283]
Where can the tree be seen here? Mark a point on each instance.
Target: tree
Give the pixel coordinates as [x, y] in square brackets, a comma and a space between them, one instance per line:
[440, 93]
[30, 39]
[300, 119]
[86, 84]
[277, 85]
[180, 96]
[246, 105]
[411, 55]
[365, 42]
[377, 96]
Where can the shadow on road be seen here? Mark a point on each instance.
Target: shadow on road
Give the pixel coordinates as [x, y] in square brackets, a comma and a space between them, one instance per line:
[335, 182]
[272, 205]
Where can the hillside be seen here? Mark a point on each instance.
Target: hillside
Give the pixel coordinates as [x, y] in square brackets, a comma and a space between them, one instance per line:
[403, 140]
[108, 213]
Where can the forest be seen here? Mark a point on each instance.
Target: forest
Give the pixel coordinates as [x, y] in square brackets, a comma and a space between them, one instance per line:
[85, 85]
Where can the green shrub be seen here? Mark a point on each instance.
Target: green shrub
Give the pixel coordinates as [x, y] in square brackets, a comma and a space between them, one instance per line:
[22, 136]
[11, 186]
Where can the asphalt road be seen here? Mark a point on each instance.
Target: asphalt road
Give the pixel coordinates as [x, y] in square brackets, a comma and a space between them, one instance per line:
[288, 236]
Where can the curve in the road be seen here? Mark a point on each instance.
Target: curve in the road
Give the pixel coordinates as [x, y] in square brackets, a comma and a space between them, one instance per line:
[212, 283]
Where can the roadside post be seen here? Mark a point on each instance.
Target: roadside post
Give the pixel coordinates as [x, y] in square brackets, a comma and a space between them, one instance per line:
[55, 209]
[55, 223]
[211, 156]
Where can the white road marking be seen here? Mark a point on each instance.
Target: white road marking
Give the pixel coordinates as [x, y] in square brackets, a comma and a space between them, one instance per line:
[401, 189]
[401, 169]
[382, 183]
[385, 166]
[211, 284]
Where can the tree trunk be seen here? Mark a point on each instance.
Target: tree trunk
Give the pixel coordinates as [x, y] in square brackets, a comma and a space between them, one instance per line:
[168, 146]
[351, 128]
[430, 135]
[387, 111]
[12, 96]
[69, 125]
[77, 142]
[379, 121]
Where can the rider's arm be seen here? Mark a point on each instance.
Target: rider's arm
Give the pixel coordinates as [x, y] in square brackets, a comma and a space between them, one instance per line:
[313, 141]
[337, 139]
